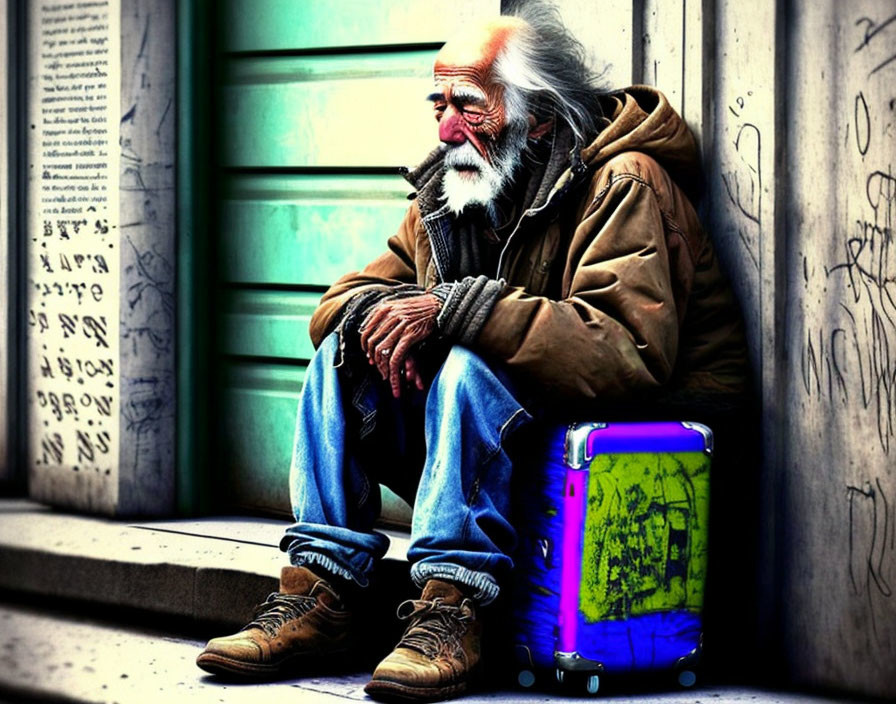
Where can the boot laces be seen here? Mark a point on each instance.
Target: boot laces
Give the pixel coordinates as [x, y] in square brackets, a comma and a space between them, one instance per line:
[279, 608]
[434, 625]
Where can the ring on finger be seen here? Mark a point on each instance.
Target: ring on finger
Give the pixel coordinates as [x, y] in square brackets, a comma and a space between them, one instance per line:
[385, 352]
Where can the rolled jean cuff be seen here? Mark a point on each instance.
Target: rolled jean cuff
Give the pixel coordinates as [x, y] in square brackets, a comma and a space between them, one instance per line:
[324, 562]
[486, 587]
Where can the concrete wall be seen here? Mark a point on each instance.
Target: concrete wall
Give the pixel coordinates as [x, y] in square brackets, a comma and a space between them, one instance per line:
[741, 147]
[802, 196]
[837, 293]
[148, 266]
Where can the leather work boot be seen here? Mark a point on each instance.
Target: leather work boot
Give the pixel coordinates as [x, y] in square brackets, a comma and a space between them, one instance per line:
[439, 653]
[305, 620]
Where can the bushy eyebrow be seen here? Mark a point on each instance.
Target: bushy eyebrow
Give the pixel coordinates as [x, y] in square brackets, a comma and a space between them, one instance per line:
[467, 96]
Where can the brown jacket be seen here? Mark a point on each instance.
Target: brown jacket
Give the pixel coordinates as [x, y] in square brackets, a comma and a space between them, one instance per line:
[611, 286]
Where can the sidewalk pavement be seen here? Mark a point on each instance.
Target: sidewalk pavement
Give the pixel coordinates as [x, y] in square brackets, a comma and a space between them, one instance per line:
[53, 657]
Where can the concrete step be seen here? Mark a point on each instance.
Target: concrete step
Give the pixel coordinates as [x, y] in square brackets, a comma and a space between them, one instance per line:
[211, 570]
[46, 655]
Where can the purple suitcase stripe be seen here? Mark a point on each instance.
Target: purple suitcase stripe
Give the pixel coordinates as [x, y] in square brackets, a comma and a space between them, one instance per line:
[645, 437]
[574, 498]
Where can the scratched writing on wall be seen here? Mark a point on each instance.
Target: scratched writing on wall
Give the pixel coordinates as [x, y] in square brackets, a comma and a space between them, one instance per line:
[872, 548]
[742, 178]
[850, 359]
[148, 302]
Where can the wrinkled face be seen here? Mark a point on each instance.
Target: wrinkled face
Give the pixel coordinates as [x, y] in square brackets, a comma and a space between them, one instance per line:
[483, 144]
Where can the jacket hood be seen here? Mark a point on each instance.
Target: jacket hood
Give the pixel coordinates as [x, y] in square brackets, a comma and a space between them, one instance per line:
[641, 119]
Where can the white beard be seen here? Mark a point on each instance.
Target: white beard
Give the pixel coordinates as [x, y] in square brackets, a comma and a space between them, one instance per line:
[484, 183]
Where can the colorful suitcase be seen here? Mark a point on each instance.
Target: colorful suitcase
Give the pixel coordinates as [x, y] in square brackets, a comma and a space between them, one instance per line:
[611, 563]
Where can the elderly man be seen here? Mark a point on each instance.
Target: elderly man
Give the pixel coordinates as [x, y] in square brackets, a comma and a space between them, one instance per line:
[550, 263]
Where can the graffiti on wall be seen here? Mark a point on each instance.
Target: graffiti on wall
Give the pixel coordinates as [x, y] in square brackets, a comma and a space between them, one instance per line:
[848, 359]
[851, 360]
[872, 535]
[742, 178]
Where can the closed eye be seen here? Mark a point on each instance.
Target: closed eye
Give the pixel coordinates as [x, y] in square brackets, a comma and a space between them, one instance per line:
[473, 114]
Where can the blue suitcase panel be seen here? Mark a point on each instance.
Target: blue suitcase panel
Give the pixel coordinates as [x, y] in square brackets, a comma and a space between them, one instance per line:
[650, 642]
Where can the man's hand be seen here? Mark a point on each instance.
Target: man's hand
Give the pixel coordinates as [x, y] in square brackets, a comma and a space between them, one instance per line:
[389, 332]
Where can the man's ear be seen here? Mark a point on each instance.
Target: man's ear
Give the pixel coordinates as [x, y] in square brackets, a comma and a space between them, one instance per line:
[539, 129]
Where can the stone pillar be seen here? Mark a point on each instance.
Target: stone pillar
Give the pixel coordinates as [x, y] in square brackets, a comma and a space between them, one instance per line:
[100, 258]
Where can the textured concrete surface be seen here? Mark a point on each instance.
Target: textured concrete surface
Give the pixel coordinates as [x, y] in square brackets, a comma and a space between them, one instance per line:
[67, 658]
[148, 258]
[202, 570]
[61, 566]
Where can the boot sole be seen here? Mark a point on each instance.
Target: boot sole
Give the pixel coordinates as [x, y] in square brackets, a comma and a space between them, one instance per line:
[222, 665]
[387, 691]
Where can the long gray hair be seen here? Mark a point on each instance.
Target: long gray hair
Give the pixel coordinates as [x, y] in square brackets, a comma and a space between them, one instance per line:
[544, 71]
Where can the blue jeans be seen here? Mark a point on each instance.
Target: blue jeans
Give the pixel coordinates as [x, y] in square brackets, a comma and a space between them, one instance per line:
[458, 480]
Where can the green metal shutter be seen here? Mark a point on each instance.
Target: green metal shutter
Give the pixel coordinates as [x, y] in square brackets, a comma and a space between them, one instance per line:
[320, 103]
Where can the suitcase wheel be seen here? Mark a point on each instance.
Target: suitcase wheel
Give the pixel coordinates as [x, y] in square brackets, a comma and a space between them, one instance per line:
[590, 681]
[526, 678]
[592, 684]
[687, 678]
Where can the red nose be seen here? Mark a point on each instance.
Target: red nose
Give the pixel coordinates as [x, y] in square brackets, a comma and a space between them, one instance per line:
[450, 128]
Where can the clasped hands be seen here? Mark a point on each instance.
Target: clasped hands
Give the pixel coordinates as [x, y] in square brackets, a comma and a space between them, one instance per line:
[389, 333]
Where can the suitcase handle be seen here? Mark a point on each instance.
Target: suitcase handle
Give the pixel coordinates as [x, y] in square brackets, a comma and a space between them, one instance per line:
[576, 453]
[581, 441]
